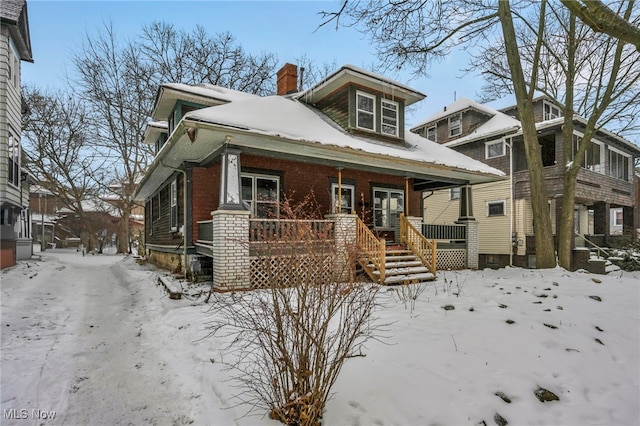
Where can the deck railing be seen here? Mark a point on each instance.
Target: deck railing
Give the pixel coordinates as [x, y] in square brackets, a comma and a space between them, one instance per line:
[444, 232]
[422, 247]
[373, 249]
[261, 230]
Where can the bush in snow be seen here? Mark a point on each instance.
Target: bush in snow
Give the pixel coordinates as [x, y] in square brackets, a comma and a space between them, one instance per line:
[290, 339]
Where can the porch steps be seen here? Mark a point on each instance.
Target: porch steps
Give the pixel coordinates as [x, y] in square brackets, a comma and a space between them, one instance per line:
[402, 267]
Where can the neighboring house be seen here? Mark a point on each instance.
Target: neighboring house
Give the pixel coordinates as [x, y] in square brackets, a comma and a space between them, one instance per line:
[227, 159]
[15, 223]
[605, 204]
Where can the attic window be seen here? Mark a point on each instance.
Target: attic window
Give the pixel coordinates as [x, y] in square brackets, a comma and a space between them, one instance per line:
[455, 127]
[550, 111]
[365, 111]
[431, 134]
[389, 117]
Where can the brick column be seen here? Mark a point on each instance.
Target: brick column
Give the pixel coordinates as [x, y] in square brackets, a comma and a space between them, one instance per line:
[344, 235]
[231, 264]
[416, 222]
[472, 243]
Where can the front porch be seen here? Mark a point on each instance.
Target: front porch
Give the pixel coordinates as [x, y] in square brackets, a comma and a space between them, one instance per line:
[245, 251]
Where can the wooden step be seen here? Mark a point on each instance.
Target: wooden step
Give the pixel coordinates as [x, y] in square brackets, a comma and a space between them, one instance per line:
[405, 264]
[409, 279]
[403, 271]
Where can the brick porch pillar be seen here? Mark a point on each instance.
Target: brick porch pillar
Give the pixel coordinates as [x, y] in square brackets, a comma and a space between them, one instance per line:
[466, 218]
[345, 238]
[231, 264]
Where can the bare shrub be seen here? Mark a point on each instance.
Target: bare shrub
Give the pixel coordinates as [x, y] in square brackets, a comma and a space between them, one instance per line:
[289, 340]
[409, 293]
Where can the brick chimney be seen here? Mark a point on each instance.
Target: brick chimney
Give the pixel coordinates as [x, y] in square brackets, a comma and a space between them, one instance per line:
[287, 79]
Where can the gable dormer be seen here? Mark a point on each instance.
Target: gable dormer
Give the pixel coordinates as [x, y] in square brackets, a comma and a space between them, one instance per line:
[454, 121]
[363, 103]
[544, 109]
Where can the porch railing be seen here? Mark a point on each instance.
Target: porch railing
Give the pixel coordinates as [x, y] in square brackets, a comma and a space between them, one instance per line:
[444, 232]
[373, 250]
[261, 230]
[591, 244]
[422, 247]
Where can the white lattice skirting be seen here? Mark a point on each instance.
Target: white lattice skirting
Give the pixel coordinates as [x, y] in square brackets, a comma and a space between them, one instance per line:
[451, 259]
[292, 270]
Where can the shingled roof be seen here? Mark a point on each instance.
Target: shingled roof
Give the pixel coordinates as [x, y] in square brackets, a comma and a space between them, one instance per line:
[13, 14]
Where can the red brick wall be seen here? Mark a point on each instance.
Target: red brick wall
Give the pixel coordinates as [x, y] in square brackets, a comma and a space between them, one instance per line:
[297, 180]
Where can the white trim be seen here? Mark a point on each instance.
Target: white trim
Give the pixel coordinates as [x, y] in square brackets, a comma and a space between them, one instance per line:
[492, 143]
[173, 204]
[253, 202]
[459, 119]
[373, 113]
[552, 107]
[493, 202]
[334, 191]
[397, 117]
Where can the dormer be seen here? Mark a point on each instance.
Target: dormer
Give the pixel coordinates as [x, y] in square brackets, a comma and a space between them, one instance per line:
[544, 109]
[174, 100]
[363, 103]
[156, 134]
[454, 121]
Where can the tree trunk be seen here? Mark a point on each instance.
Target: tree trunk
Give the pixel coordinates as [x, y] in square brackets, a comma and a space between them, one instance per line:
[545, 250]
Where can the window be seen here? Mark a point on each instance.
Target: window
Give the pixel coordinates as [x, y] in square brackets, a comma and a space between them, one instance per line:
[593, 156]
[494, 149]
[13, 159]
[619, 164]
[16, 72]
[432, 134]
[344, 203]
[617, 218]
[551, 111]
[455, 126]
[173, 201]
[496, 208]
[157, 204]
[387, 204]
[260, 193]
[389, 117]
[454, 193]
[366, 111]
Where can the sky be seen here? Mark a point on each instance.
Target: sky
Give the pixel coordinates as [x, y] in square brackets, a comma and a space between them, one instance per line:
[289, 29]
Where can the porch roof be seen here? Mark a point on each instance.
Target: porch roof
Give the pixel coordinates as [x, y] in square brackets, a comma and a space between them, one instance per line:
[282, 127]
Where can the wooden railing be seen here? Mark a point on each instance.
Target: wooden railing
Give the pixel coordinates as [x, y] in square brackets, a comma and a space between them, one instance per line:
[261, 230]
[416, 242]
[373, 250]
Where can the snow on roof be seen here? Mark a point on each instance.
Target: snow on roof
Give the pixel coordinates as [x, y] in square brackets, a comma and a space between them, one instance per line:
[210, 91]
[458, 106]
[291, 119]
[497, 126]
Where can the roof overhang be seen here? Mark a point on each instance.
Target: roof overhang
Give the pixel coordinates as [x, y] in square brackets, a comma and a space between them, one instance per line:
[211, 139]
[352, 75]
[169, 94]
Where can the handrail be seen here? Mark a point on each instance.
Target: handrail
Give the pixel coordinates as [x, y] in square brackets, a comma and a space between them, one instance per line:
[597, 247]
[290, 229]
[372, 247]
[418, 244]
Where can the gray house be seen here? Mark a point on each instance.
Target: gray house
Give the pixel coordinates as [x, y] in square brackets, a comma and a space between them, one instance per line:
[15, 46]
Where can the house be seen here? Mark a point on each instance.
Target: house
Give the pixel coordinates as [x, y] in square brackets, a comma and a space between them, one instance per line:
[15, 223]
[605, 206]
[226, 160]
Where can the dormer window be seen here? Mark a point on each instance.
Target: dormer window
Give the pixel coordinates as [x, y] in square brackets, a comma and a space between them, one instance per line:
[550, 111]
[366, 111]
[455, 125]
[432, 134]
[390, 117]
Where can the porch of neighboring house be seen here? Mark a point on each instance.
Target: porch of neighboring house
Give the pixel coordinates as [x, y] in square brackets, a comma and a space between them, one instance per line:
[245, 251]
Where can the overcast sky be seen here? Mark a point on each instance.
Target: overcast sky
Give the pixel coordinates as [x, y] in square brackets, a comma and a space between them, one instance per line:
[288, 29]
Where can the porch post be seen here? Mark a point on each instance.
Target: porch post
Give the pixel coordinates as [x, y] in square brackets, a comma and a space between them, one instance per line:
[345, 239]
[230, 184]
[466, 218]
[231, 263]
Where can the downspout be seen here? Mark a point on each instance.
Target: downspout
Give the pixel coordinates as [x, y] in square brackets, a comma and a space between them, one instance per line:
[184, 215]
[511, 194]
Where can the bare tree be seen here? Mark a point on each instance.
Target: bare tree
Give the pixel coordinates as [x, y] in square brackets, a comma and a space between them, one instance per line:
[56, 134]
[195, 57]
[593, 75]
[602, 19]
[414, 33]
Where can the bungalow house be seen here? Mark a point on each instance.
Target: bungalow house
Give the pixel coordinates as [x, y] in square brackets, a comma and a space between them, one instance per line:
[15, 223]
[226, 160]
[605, 196]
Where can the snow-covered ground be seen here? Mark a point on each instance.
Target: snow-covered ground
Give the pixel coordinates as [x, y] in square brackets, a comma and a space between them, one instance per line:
[96, 340]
